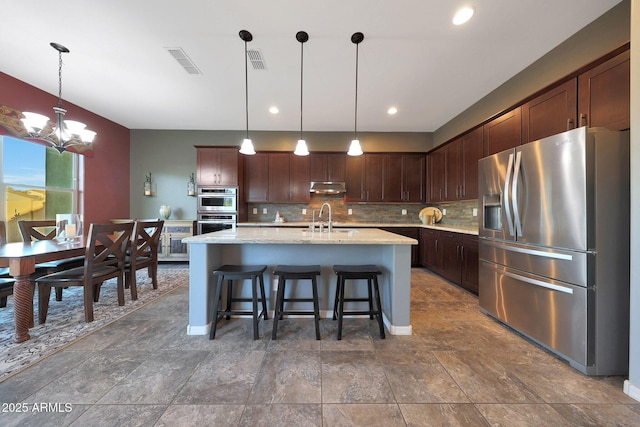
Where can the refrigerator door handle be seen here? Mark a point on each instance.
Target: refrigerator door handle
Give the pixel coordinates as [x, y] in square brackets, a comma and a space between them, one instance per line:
[540, 283]
[507, 199]
[514, 194]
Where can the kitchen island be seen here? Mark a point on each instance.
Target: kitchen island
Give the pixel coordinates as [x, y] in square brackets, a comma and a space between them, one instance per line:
[273, 246]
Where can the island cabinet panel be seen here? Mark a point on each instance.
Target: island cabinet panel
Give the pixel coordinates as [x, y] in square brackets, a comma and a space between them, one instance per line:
[503, 132]
[327, 167]
[604, 94]
[256, 178]
[412, 232]
[553, 112]
[217, 166]
[404, 178]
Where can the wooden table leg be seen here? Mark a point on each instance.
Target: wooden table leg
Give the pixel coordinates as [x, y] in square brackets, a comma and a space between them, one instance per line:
[23, 307]
[21, 269]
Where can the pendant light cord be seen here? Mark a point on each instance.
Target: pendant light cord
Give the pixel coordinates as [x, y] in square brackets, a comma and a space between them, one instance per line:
[301, 76]
[355, 120]
[246, 87]
[59, 79]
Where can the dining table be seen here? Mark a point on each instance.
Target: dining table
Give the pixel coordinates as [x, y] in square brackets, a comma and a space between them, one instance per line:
[21, 258]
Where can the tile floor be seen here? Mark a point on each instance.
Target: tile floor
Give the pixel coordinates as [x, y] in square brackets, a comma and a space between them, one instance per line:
[460, 368]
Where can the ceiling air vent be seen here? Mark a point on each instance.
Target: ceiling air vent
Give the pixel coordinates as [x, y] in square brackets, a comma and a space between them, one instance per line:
[256, 58]
[183, 60]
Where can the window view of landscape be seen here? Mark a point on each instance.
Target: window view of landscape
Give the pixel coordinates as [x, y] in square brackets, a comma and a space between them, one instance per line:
[38, 183]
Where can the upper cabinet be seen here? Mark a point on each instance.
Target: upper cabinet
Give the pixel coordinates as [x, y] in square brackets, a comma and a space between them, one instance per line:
[327, 167]
[404, 178]
[453, 169]
[503, 132]
[604, 94]
[364, 178]
[550, 113]
[217, 166]
[276, 178]
[256, 178]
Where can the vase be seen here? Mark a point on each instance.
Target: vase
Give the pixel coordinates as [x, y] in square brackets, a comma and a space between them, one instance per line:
[165, 211]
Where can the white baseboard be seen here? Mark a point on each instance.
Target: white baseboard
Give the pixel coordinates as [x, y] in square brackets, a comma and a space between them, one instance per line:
[631, 390]
[198, 330]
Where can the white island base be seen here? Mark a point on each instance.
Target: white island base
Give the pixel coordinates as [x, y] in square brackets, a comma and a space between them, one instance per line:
[273, 246]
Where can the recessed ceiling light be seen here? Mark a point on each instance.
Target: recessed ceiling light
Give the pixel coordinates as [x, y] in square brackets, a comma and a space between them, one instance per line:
[463, 15]
[274, 110]
[392, 110]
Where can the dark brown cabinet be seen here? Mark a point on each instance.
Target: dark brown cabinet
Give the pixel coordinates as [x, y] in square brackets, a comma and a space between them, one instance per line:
[288, 178]
[430, 256]
[604, 94]
[217, 166]
[364, 178]
[327, 167]
[412, 232]
[470, 262]
[453, 256]
[503, 132]
[454, 168]
[256, 178]
[404, 178]
[550, 113]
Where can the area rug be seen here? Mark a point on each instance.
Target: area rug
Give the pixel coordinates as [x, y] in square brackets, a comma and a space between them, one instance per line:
[65, 319]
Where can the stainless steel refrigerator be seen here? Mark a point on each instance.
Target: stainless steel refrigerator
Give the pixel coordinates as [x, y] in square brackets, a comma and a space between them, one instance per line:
[554, 245]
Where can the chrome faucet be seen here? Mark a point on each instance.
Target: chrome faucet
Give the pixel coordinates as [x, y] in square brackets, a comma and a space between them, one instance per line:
[320, 215]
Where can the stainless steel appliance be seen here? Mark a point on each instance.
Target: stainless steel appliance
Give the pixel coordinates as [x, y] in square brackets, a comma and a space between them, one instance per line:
[211, 199]
[554, 245]
[208, 223]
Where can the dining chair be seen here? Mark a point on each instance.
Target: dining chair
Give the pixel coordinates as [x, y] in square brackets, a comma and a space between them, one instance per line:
[6, 281]
[104, 259]
[143, 253]
[46, 230]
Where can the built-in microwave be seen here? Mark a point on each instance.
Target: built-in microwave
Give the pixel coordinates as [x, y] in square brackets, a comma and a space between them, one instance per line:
[217, 199]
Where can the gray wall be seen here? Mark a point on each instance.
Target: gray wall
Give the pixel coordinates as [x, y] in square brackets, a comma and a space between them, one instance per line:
[170, 156]
[605, 34]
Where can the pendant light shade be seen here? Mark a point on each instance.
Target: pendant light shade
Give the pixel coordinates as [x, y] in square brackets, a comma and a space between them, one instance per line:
[355, 149]
[247, 145]
[301, 147]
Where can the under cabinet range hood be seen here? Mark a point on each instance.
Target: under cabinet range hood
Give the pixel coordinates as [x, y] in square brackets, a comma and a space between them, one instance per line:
[328, 187]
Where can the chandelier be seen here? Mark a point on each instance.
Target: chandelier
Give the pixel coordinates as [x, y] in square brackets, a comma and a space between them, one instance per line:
[62, 134]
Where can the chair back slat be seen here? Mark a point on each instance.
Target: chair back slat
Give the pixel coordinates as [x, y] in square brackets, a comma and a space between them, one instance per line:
[107, 246]
[37, 230]
[146, 238]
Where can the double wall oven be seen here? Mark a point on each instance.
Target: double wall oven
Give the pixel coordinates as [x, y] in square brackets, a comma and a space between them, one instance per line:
[217, 209]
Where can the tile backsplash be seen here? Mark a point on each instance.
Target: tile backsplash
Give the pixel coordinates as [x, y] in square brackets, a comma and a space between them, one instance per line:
[457, 213]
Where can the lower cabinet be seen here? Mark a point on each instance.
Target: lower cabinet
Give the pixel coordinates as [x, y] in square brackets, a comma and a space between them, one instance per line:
[171, 246]
[412, 232]
[453, 256]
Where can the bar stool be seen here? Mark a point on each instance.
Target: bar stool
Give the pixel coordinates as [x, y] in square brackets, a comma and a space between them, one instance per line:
[239, 272]
[353, 272]
[296, 272]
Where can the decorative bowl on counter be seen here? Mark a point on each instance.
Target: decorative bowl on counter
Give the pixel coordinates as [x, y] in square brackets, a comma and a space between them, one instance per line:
[430, 212]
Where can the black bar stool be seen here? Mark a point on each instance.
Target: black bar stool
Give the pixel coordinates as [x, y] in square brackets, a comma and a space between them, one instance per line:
[296, 272]
[353, 272]
[239, 272]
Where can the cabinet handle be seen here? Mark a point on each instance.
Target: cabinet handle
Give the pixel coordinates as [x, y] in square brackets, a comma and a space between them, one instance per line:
[462, 191]
[462, 253]
[569, 124]
[436, 245]
[583, 120]
[441, 194]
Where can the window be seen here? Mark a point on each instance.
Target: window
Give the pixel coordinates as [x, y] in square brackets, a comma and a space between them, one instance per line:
[37, 181]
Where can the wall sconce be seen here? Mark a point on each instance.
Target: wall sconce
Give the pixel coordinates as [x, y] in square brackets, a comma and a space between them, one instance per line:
[191, 186]
[147, 186]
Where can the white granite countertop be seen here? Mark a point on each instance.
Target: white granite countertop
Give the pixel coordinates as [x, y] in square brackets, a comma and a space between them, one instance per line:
[288, 235]
[453, 228]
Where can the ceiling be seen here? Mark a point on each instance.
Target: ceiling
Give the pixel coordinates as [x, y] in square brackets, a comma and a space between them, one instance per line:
[412, 57]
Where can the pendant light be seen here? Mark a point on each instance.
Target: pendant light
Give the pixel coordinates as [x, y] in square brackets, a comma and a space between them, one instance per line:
[247, 145]
[355, 149]
[301, 147]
